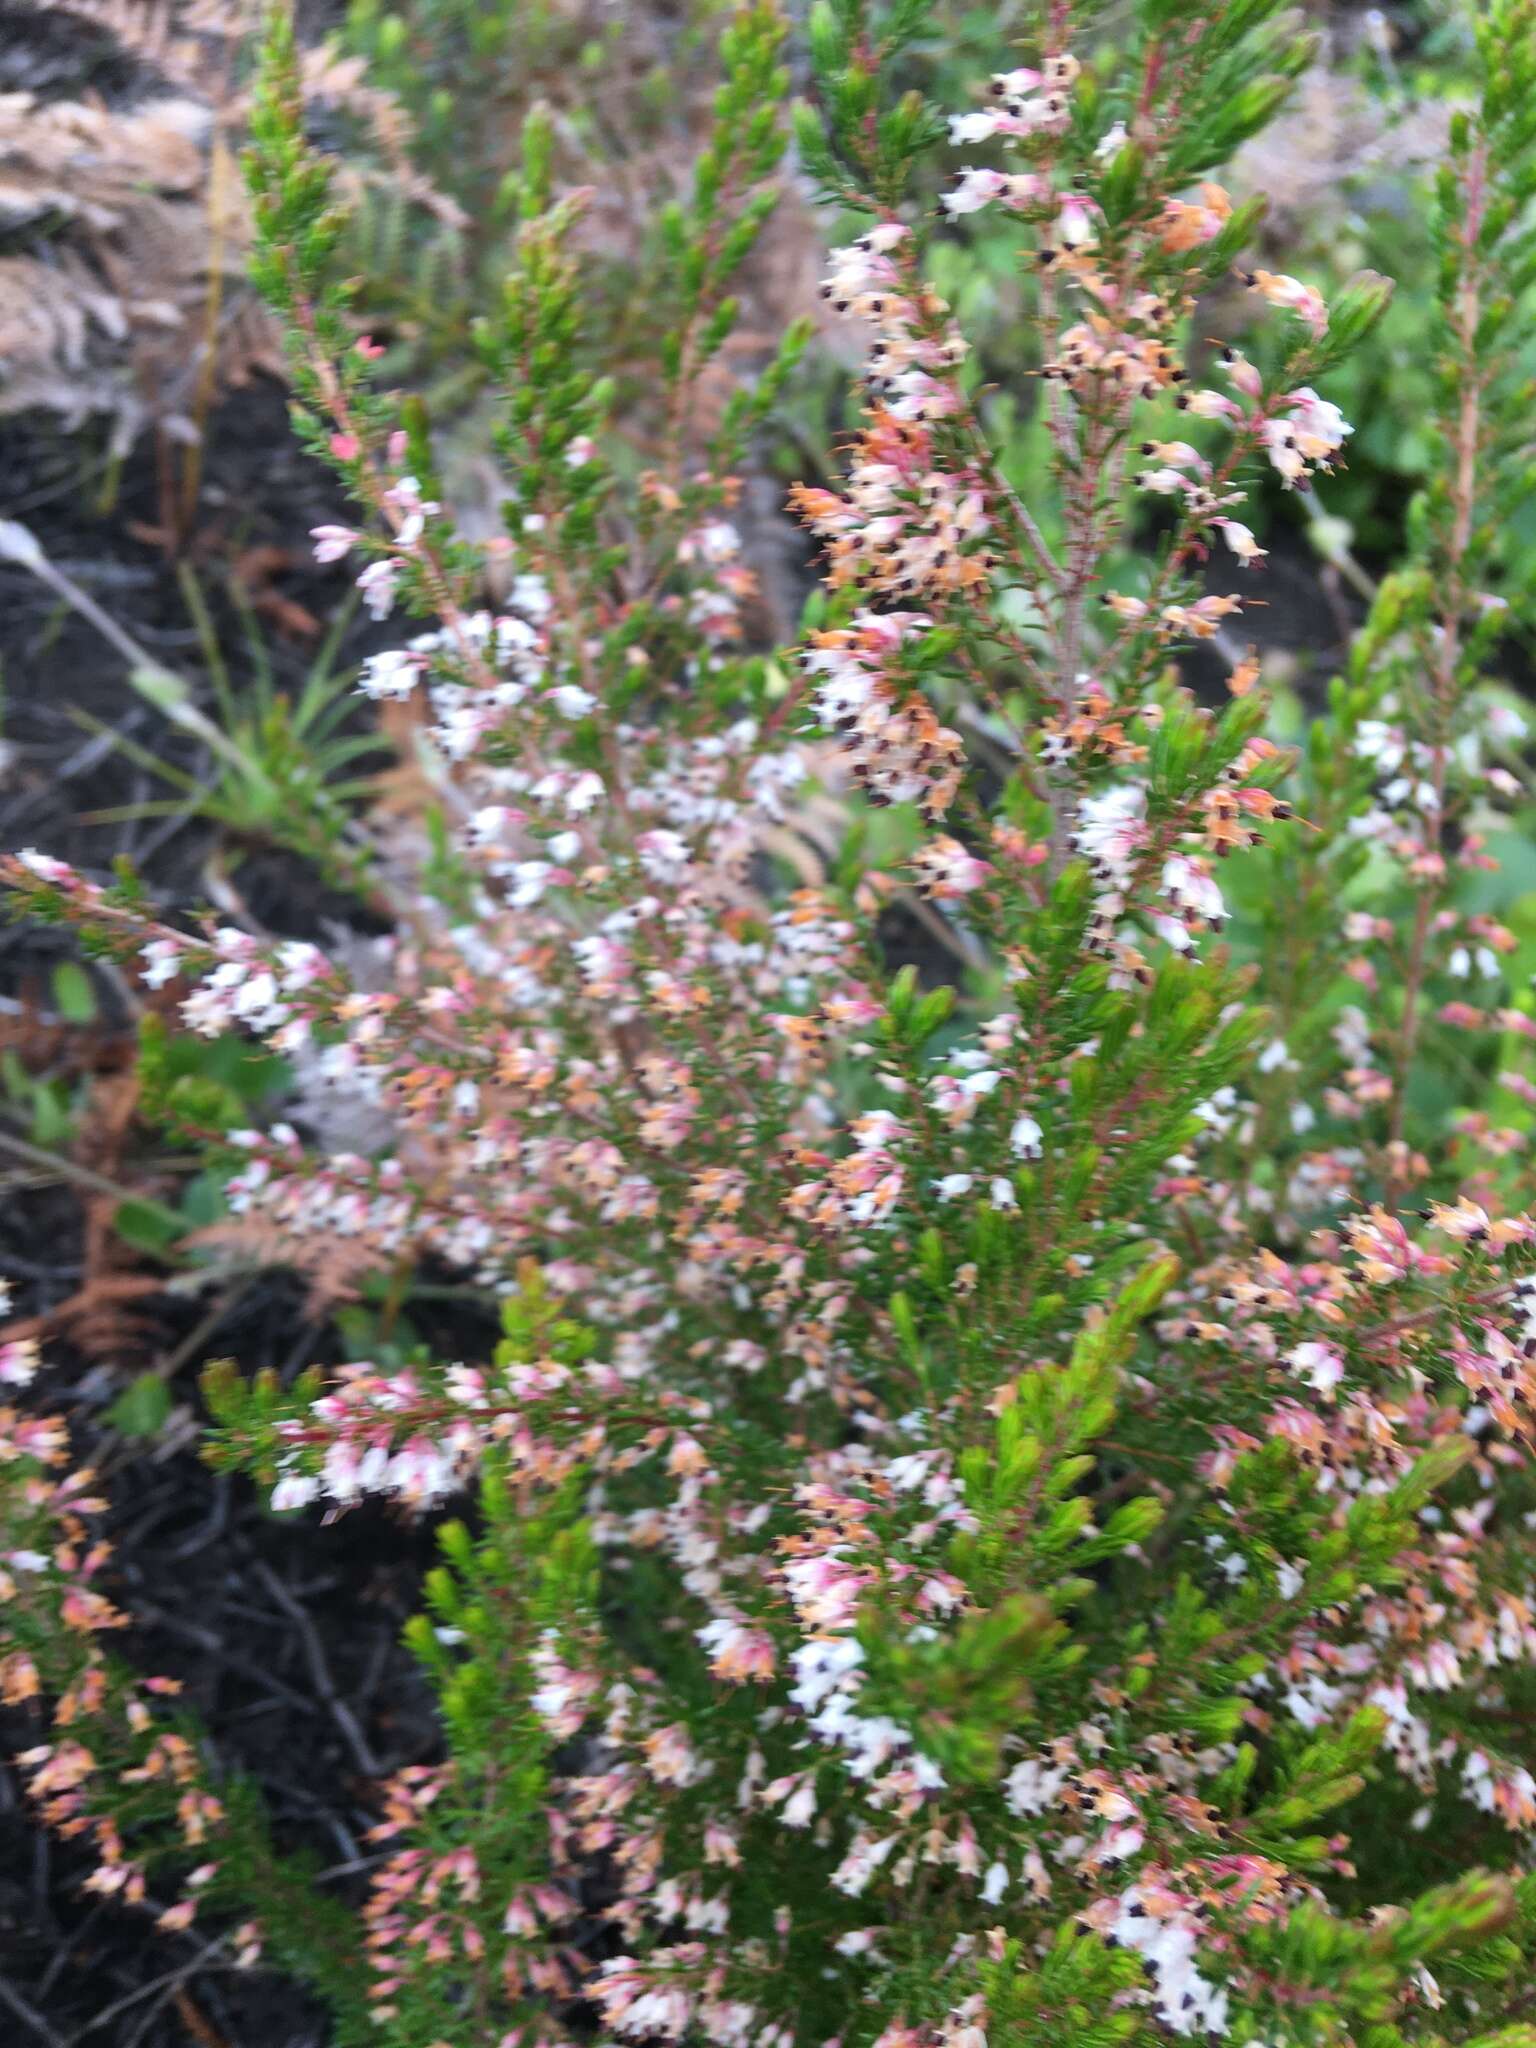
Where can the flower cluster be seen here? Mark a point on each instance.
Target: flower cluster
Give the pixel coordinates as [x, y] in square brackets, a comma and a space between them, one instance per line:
[905, 529]
[102, 1761]
[916, 348]
[895, 747]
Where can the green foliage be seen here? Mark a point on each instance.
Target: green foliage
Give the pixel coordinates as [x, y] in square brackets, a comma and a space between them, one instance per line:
[1424, 649]
[143, 1406]
[522, 1582]
[45, 1106]
[1078, 1983]
[862, 142]
[284, 768]
[205, 1085]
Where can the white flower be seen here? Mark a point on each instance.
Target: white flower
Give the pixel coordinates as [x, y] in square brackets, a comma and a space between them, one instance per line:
[979, 126]
[488, 824]
[715, 541]
[1319, 1365]
[800, 1807]
[392, 672]
[1505, 723]
[1026, 1137]
[1074, 221]
[980, 1083]
[974, 190]
[571, 701]
[377, 583]
[1032, 1786]
[530, 596]
[44, 866]
[162, 962]
[1240, 540]
[1111, 828]
[530, 878]
[332, 542]
[18, 1362]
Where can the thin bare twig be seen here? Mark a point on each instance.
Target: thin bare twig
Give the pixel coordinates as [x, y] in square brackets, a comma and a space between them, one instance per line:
[29, 2016]
[164, 1984]
[320, 1672]
[82, 1176]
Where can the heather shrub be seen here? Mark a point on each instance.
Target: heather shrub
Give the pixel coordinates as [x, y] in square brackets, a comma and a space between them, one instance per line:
[1002, 1512]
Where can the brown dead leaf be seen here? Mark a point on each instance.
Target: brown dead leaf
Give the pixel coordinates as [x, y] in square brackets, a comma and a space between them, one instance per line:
[255, 569]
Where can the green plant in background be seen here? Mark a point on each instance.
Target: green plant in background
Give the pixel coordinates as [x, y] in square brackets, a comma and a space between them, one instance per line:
[282, 766]
[1411, 74]
[625, 97]
[1359, 147]
[469, 142]
[1418, 987]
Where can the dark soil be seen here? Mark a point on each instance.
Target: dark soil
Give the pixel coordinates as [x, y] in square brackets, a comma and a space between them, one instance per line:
[285, 1634]
[311, 1710]
[63, 681]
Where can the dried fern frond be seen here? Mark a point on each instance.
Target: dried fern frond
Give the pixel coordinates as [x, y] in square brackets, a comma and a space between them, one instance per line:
[188, 43]
[332, 1267]
[66, 160]
[329, 77]
[48, 314]
[126, 237]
